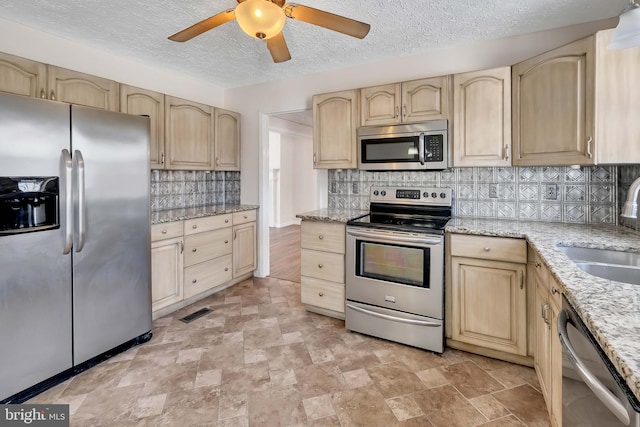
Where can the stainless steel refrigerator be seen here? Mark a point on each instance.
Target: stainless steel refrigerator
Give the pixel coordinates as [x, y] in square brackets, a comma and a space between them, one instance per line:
[74, 238]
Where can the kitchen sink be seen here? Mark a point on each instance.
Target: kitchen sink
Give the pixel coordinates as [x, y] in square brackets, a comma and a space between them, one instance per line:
[620, 266]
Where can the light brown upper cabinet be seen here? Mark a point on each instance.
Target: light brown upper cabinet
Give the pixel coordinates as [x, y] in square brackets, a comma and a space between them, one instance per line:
[227, 140]
[335, 121]
[577, 105]
[81, 89]
[482, 118]
[189, 135]
[406, 102]
[22, 77]
[140, 102]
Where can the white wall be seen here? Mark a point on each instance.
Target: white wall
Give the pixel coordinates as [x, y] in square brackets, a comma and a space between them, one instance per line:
[28, 43]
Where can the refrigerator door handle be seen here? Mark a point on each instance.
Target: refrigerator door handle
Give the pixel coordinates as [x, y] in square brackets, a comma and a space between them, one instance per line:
[68, 208]
[79, 164]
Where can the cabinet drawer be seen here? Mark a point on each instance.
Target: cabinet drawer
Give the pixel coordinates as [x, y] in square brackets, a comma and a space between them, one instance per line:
[244, 216]
[206, 223]
[495, 248]
[206, 275]
[322, 265]
[203, 246]
[168, 230]
[323, 294]
[323, 236]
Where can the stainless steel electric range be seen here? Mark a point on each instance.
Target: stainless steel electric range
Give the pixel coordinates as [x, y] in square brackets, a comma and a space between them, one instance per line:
[395, 266]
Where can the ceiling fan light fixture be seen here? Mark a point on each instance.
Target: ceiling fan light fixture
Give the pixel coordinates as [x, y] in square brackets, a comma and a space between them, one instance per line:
[627, 33]
[261, 19]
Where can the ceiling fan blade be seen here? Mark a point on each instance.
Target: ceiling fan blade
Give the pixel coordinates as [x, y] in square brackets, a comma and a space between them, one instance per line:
[278, 48]
[204, 25]
[327, 20]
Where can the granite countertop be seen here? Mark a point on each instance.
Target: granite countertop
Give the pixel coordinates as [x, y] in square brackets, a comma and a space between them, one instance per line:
[611, 310]
[333, 214]
[170, 215]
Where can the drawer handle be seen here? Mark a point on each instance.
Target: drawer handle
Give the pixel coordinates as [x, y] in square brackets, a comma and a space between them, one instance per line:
[487, 249]
[321, 294]
[226, 221]
[194, 281]
[320, 265]
[164, 231]
[321, 237]
[194, 226]
[194, 249]
[554, 291]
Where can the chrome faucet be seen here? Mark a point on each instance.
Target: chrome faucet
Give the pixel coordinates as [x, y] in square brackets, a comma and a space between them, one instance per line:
[630, 209]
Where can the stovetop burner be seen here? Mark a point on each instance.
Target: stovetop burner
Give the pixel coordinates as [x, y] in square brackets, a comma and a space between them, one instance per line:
[425, 210]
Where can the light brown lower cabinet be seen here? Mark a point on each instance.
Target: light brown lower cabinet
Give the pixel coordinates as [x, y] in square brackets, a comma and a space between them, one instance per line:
[322, 267]
[488, 295]
[196, 257]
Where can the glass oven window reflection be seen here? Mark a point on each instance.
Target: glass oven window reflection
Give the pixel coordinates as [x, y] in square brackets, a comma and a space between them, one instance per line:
[393, 263]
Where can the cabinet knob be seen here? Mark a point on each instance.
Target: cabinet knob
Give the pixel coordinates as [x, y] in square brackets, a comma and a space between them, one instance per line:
[194, 249]
[537, 264]
[226, 241]
[554, 290]
[321, 294]
[164, 231]
[226, 269]
[321, 237]
[194, 226]
[245, 217]
[487, 249]
[194, 281]
[320, 265]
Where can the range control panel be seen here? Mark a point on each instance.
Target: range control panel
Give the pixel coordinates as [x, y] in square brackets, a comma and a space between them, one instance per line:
[428, 196]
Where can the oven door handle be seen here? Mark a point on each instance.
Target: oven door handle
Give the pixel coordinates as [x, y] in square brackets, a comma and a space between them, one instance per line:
[394, 318]
[602, 393]
[395, 237]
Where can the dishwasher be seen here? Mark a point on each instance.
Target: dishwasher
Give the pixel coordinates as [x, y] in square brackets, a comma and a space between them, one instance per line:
[593, 392]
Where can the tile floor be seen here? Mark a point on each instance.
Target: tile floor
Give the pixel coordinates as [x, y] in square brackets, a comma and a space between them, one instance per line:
[260, 359]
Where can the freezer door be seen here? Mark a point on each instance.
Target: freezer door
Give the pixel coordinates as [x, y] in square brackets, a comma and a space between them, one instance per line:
[35, 278]
[111, 267]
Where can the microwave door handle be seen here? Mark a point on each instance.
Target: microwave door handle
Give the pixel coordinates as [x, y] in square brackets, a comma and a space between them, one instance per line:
[421, 148]
[601, 392]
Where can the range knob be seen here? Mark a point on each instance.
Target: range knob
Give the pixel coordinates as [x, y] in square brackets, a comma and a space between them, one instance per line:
[434, 195]
[383, 193]
[376, 192]
[443, 195]
[425, 195]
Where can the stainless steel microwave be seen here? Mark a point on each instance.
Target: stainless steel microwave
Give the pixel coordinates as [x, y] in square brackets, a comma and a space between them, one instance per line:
[415, 146]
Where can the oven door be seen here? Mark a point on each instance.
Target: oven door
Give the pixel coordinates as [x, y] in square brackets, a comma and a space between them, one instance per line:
[395, 270]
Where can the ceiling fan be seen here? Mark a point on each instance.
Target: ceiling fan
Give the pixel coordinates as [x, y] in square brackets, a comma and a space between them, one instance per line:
[264, 19]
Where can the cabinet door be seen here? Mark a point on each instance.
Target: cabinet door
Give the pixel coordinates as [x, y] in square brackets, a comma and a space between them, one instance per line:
[482, 118]
[335, 120]
[553, 107]
[227, 140]
[426, 99]
[555, 368]
[244, 248]
[22, 77]
[489, 304]
[82, 89]
[141, 102]
[189, 137]
[380, 105]
[543, 339]
[166, 272]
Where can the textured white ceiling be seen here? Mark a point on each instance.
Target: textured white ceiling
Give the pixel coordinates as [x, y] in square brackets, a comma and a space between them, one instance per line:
[226, 57]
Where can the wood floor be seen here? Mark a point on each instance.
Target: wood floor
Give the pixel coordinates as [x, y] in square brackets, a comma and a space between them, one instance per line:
[284, 248]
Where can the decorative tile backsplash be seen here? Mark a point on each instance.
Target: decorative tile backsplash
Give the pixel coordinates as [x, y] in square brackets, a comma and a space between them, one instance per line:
[184, 189]
[554, 193]
[626, 175]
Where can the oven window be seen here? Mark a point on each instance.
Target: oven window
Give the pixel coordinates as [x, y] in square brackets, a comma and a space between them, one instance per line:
[393, 263]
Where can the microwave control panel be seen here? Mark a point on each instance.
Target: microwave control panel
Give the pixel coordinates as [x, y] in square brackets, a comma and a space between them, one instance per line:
[434, 148]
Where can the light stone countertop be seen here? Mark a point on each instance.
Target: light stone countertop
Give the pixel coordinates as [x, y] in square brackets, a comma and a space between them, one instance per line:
[332, 214]
[611, 310]
[170, 215]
